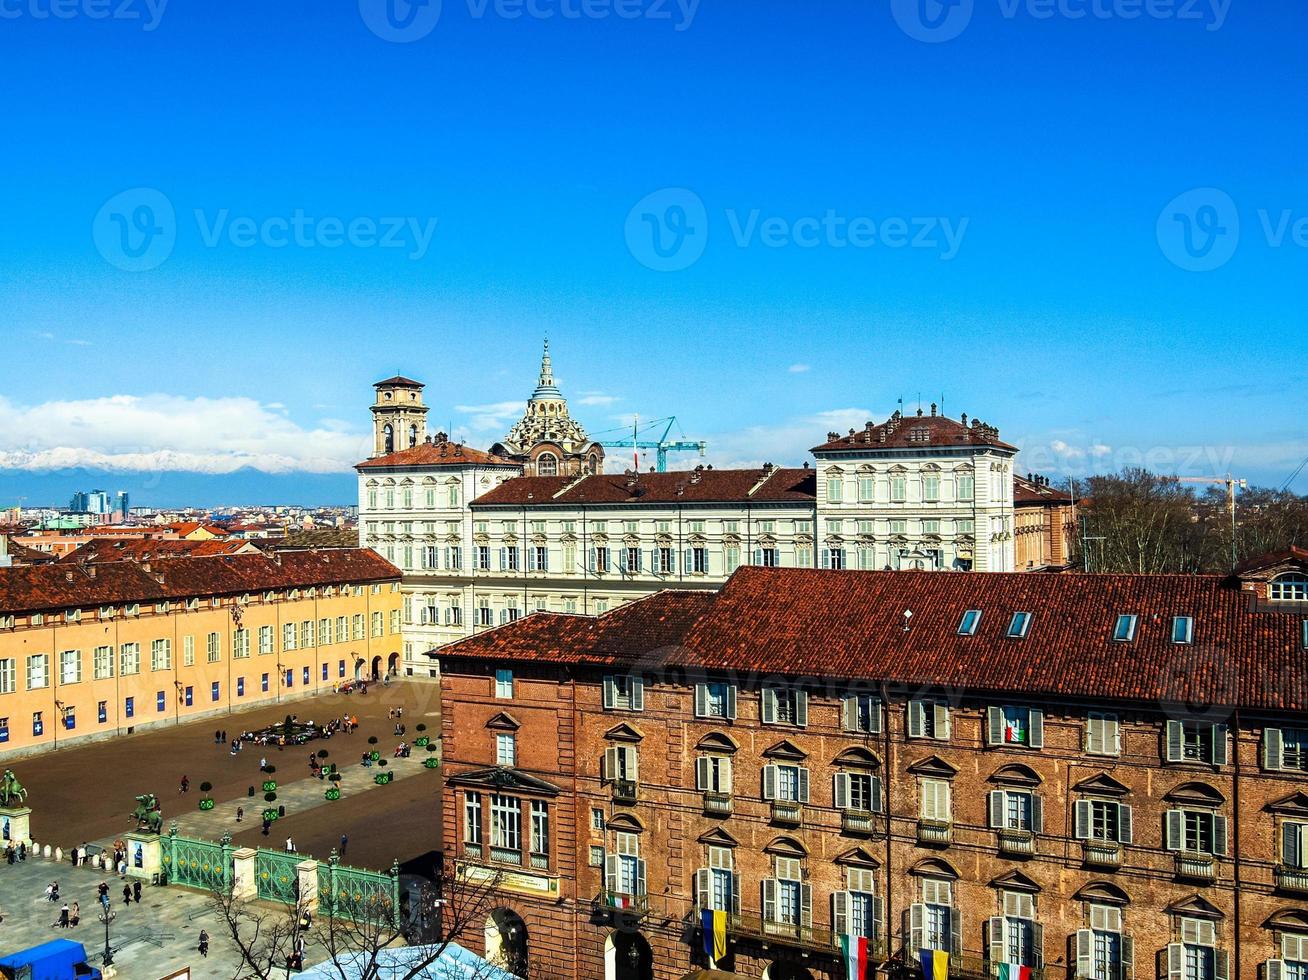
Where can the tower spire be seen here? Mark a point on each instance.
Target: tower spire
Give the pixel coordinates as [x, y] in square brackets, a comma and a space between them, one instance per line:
[546, 369]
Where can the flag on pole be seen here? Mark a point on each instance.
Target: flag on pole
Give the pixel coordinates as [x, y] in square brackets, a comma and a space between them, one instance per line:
[619, 901]
[1012, 971]
[854, 951]
[715, 933]
[935, 964]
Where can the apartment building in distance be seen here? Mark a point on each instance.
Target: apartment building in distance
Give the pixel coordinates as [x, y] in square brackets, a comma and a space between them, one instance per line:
[101, 649]
[484, 537]
[1100, 777]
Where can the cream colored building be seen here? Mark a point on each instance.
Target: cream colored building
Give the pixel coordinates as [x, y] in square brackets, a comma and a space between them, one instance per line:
[101, 650]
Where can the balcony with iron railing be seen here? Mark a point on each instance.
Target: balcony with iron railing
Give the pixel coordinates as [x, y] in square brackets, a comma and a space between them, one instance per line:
[965, 966]
[1293, 880]
[608, 904]
[937, 833]
[753, 927]
[1196, 866]
[505, 855]
[788, 812]
[861, 822]
[624, 791]
[1101, 854]
[473, 852]
[1016, 843]
[540, 862]
[717, 804]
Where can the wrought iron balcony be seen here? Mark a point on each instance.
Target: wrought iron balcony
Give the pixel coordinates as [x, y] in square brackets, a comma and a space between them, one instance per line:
[473, 851]
[504, 855]
[966, 966]
[858, 822]
[624, 791]
[787, 812]
[1101, 853]
[1017, 843]
[717, 804]
[1293, 880]
[608, 903]
[541, 862]
[935, 832]
[752, 926]
[1196, 867]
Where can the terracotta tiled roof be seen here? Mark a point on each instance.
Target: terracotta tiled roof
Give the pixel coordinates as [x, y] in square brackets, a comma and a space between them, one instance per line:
[689, 486]
[190, 527]
[23, 555]
[400, 379]
[914, 432]
[642, 630]
[433, 454]
[63, 586]
[144, 549]
[850, 625]
[1289, 556]
[1027, 492]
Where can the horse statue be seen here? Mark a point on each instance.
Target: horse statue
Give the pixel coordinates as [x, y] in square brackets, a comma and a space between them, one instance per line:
[12, 792]
[147, 813]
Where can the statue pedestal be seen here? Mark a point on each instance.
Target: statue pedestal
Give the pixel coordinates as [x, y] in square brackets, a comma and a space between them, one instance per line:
[244, 886]
[144, 855]
[15, 825]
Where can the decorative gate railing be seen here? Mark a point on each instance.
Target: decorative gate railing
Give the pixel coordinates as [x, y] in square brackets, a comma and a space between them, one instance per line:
[275, 876]
[353, 893]
[197, 863]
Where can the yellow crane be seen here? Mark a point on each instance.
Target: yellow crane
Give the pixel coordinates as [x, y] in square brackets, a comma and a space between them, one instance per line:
[1231, 483]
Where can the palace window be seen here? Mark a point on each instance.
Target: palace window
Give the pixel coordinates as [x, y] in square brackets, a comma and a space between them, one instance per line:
[623, 692]
[666, 563]
[620, 765]
[1015, 937]
[483, 557]
[835, 489]
[1102, 952]
[70, 666]
[38, 671]
[214, 648]
[102, 662]
[1015, 726]
[933, 922]
[928, 719]
[856, 911]
[1103, 734]
[833, 558]
[1015, 810]
[861, 713]
[898, 489]
[1196, 741]
[935, 800]
[504, 683]
[867, 489]
[1293, 964]
[698, 560]
[624, 869]
[506, 823]
[787, 898]
[161, 654]
[1292, 587]
[506, 750]
[713, 774]
[1196, 832]
[716, 699]
[718, 885]
[630, 557]
[1196, 956]
[1285, 749]
[129, 659]
[8, 675]
[599, 560]
[857, 791]
[784, 706]
[931, 489]
[787, 783]
[540, 830]
[767, 557]
[1105, 821]
[1294, 844]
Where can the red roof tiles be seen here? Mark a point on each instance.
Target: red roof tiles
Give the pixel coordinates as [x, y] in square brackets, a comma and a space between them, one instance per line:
[433, 454]
[914, 432]
[144, 549]
[691, 486]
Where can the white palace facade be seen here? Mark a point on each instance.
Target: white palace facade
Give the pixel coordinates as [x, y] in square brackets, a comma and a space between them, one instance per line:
[481, 544]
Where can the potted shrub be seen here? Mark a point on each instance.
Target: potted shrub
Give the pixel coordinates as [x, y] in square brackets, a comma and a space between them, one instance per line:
[334, 790]
[270, 786]
[206, 801]
[431, 762]
[322, 753]
[382, 778]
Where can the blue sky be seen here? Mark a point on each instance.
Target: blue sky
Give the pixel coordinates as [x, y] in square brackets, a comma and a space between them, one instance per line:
[1019, 190]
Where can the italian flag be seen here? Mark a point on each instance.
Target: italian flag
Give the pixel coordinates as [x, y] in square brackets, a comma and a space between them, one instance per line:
[856, 954]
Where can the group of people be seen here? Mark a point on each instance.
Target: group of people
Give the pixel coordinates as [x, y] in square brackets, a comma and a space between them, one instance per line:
[402, 750]
[69, 915]
[13, 853]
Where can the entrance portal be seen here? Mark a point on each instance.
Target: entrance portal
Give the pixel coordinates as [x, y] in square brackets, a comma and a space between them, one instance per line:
[506, 941]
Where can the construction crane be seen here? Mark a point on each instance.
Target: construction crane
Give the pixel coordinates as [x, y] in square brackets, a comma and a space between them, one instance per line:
[660, 444]
[1231, 483]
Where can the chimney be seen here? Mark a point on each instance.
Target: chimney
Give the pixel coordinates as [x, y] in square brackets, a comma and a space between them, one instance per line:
[965, 418]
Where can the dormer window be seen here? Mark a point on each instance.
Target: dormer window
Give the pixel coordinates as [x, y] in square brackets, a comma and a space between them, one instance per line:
[1291, 587]
[106, 612]
[1182, 629]
[971, 620]
[132, 609]
[1124, 631]
[1018, 625]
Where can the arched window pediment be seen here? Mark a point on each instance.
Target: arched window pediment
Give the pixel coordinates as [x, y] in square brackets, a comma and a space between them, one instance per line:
[859, 757]
[627, 823]
[1196, 794]
[717, 742]
[1102, 893]
[934, 868]
[1016, 775]
[786, 847]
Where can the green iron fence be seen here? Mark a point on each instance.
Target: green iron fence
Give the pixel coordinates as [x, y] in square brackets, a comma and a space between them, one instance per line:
[357, 894]
[197, 863]
[275, 876]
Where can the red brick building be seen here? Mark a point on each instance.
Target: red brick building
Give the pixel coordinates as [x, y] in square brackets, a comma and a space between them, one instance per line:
[1089, 776]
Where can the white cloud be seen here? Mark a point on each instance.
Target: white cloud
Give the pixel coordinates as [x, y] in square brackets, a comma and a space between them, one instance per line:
[151, 433]
[799, 368]
[496, 416]
[786, 443]
[596, 398]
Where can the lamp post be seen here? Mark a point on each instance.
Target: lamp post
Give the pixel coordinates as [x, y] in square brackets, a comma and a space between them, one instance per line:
[107, 916]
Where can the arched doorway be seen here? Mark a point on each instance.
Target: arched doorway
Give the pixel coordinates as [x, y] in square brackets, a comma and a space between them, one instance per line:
[393, 664]
[376, 667]
[786, 971]
[506, 941]
[627, 956]
[359, 664]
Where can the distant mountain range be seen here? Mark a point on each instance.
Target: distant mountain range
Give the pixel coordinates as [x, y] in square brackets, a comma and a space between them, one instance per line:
[176, 489]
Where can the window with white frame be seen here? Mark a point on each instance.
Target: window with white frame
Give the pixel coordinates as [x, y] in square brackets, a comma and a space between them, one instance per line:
[129, 659]
[161, 654]
[504, 683]
[288, 636]
[1103, 734]
[1019, 625]
[970, 621]
[1193, 831]
[240, 644]
[713, 774]
[1015, 937]
[1293, 962]
[620, 764]
[102, 662]
[1103, 821]
[856, 911]
[1285, 749]
[1291, 587]
[898, 488]
[835, 489]
[1012, 725]
[8, 675]
[70, 666]
[867, 488]
[624, 869]
[506, 823]
[935, 804]
[213, 645]
[540, 828]
[265, 639]
[1016, 810]
[1294, 844]
[718, 886]
[1124, 629]
[715, 699]
[623, 692]
[934, 923]
[1196, 741]
[785, 782]
[928, 718]
[506, 750]
[787, 898]
[784, 706]
[1102, 951]
[857, 791]
[1196, 956]
[861, 713]
[472, 818]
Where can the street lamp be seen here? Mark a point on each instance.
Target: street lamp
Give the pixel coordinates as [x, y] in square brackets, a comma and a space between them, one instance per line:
[107, 916]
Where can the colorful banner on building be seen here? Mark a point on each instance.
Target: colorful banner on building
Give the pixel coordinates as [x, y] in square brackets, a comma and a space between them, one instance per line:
[715, 933]
[856, 952]
[935, 964]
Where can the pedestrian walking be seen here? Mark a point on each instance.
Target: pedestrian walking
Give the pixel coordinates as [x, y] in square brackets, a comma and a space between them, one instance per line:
[74, 856]
[240, 812]
[217, 738]
[49, 892]
[345, 839]
[63, 916]
[127, 894]
[186, 784]
[290, 845]
[224, 738]
[76, 914]
[136, 892]
[204, 942]
[266, 824]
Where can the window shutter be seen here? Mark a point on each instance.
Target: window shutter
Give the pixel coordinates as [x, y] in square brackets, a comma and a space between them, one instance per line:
[1094, 740]
[758, 556]
[1290, 839]
[1112, 736]
[701, 700]
[840, 913]
[941, 712]
[638, 694]
[611, 873]
[610, 768]
[840, 793]
[878, 916]
[1037, 814]
[915, 927]
[1175, 961]
[731, 701]
[592, 560]
[1222, 964]
[956, 932]
[1037, 945]
[622, 559]
[769, 900]
[875, 717]
[1175, 742]
[801, 708]
[876, 794]
[1219, 835]
[1274, 970]
[995, 939]
[724, 774]
[1085, 947]
[1175, 834]
[1272, 749]
[1218, 734]
[735, 893]
[1081, 819]
[1036, 731]
[633, 764]
[916, 719]
[996, 808]
[703, 888]
[849, 714]
[687, 561]
[826, 558]
[769, 706]
[1125, 831]
[806, 908]
[702, 773]
[803, 785]
[769, 782]
[1128, 958]
[994, 726]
